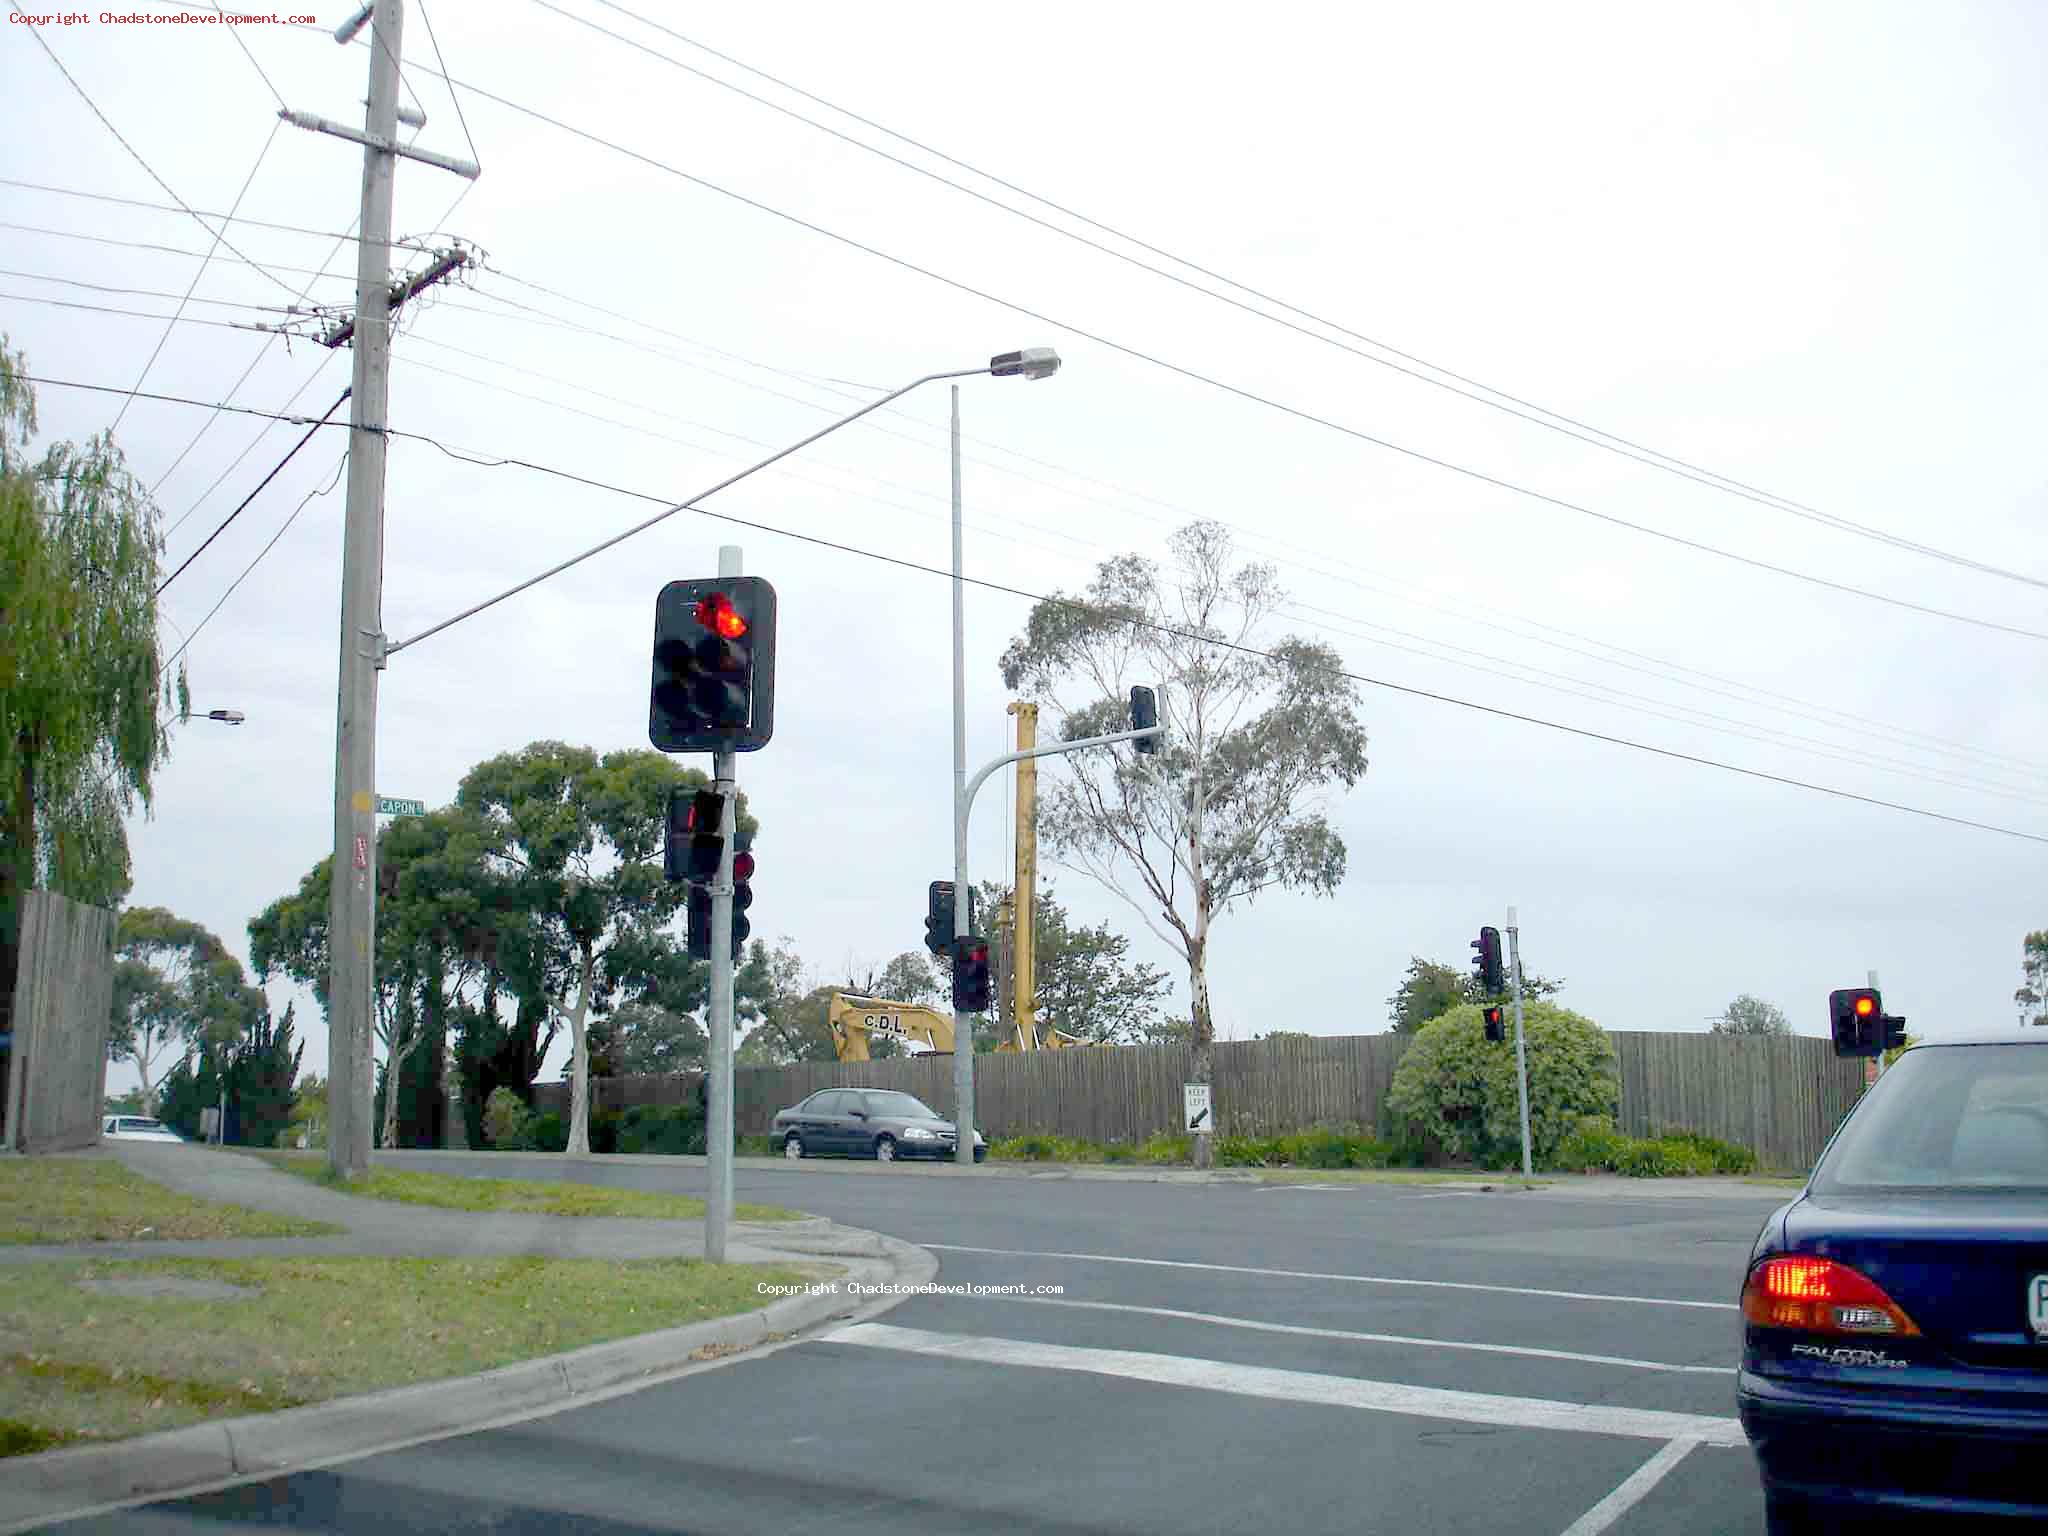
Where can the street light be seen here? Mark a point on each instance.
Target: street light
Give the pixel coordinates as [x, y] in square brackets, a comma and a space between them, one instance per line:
[1030, 363]
[225, 716]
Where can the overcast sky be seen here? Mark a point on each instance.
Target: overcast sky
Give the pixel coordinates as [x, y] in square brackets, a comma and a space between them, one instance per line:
[1798, 247]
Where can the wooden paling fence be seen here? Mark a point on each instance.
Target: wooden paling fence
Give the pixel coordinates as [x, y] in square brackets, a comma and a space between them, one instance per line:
[1781, 1098]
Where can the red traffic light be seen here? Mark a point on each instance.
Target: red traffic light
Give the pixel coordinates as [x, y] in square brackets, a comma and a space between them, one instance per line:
[743, 866]
[717, 614]
[1865, 1006]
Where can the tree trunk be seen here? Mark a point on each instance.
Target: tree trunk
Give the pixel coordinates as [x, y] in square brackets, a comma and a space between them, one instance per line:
[579, 1036]
[1201, 1024]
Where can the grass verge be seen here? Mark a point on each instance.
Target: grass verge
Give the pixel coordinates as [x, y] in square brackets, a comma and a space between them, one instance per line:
[1454, 1176]
[94, 1200]
[79, 1366]
[455, 1192]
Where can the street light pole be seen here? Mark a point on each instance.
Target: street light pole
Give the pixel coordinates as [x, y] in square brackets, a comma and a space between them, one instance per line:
[963, 899]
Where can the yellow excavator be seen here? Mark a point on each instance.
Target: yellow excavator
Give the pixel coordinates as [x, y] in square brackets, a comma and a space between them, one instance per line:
[854, 1019]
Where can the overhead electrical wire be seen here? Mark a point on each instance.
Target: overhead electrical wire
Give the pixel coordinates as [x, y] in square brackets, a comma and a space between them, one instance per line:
[244, 502]
[1318, 562]
[1165, 629]
[283, 528]
[204, 261]
[1565, 425]
[151, 245]
[1298, 412]
[159, 293]
[132, 314]
[406, 241]
[133, 153]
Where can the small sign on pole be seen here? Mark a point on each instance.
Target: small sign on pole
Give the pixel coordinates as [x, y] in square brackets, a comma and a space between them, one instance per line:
[1196, 1117]
[390, 806]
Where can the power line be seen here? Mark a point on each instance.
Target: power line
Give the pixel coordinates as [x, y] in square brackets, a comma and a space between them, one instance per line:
[1580, 431]
[1298, 412]
[224, 408]
[1038, 597]
[154, 293]
[266, 549]
[236, 33]
[1321, 560]
[192, 287]
[133, 153]
[315, 427]
[408, 242]
[475, 158]
[132, 314]
[151, 245]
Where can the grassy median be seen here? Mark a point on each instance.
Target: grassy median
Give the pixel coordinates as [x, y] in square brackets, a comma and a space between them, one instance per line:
[170, 1345]
[543, 1197]
[95, 1200]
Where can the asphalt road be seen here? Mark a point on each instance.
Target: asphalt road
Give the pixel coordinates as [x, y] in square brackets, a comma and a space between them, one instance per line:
[1351, 1358]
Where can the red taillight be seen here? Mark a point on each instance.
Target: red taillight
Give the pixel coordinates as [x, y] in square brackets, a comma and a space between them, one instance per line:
[1815, 1295]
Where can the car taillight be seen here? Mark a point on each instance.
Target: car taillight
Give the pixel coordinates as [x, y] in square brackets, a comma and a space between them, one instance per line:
[1815, 1295]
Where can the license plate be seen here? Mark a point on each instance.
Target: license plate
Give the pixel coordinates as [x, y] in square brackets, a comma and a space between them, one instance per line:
[2037, 1305]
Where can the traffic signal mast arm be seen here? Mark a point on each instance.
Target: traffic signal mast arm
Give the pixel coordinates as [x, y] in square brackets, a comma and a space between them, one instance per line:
[974, 784]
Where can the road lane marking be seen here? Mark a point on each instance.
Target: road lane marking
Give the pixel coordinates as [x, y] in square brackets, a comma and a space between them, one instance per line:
[1303, 1274]
[1634, 1488]
[1378, 1338]
[1300, 1386]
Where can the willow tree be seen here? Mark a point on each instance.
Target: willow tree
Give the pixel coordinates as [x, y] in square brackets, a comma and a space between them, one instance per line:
[83, 721]
[1230, 805]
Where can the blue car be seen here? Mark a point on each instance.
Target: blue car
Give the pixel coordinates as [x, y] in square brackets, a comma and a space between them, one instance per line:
[1895, 1315]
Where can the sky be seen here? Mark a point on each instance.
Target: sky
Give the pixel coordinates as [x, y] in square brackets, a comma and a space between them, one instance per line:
[1795, 249]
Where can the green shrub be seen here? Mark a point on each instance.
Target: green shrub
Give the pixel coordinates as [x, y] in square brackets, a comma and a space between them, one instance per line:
[507, 1120]
[1454, 1084]
[1595, 1146]
[757, 1146]
[1167, 1149]
[548, 1133]
[1242, 1152]
[1119, 1152]
[676, 1130]
[604, 1131]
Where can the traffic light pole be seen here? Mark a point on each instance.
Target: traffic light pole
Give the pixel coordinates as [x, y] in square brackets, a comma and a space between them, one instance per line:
[718, 1119]
[963, 1044]
[1521, 1059]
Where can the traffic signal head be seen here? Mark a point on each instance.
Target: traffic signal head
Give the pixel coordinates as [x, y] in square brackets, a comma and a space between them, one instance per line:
[1486, 963]
[939, 916]
[1859, 1024]
[1144, 715]
[714, 666]
[1496, 1022]
[704, 834]
[971, 988]
[742, 898]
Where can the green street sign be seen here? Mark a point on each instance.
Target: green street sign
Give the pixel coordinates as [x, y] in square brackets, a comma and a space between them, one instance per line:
[386, 806]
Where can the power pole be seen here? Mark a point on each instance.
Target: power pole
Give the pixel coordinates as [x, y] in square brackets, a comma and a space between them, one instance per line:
[352, 908]
[718, 1122]
[1521, 1059]
[963, 900]
[1024, 905]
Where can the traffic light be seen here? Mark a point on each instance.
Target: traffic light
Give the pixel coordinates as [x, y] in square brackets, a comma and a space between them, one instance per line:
[938, 916]
[1496, 1022]
[1144, 715]
[1486, 964]
[714, 666]
[697, 919]
[742, 898]
[971, 990]
[704, 825]
[1859, 1024]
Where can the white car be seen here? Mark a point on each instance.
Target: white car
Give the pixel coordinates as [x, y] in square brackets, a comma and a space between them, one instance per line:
[136, 1128]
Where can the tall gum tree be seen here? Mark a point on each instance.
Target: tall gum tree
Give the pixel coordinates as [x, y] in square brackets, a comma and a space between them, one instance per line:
[1258, 731]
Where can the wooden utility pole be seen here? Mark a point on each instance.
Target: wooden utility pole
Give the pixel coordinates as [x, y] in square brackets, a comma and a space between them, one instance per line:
[1024, 890]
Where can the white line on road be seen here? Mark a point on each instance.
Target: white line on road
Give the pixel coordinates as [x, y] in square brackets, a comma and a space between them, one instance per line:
[1303, 1274]
[1377, 1338]
[1634, 1488]
[1301, 1386]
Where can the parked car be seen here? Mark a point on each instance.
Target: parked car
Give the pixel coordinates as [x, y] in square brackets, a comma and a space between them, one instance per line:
[868, 1122]
[1895, 1314]
[136, 1128]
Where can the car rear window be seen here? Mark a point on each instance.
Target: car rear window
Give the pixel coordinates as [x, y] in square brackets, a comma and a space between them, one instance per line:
[142, 1125]
[1948, 1117]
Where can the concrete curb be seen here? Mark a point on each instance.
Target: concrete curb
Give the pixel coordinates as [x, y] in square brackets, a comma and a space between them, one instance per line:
[58, 1485]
